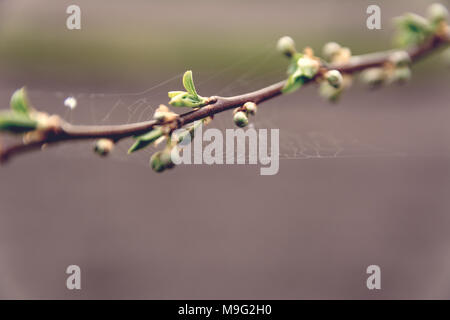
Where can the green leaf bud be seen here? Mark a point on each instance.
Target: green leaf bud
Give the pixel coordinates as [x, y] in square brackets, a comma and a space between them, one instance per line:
[19, 101]
[188, 83]
[156, 163]
[240, 119]
[294, 82]
[286, 46]
[16, 122]
[186, 99]
[334, 78]
[412, 29]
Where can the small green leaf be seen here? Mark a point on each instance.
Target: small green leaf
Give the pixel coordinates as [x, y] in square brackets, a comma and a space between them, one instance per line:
[19, 101]
[175, 93]
[188, 83]
[412, 29]
[240, 119]
[293, 63]
[146, 139]
[16, 122]
[294, 82]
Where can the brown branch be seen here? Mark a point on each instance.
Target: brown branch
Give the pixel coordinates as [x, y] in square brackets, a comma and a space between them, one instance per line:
[67, 131]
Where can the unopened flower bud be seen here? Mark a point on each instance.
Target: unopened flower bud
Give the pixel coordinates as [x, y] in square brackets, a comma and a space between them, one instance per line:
[334, 78]
[329, 92]
[330, 50]
[103, 146]
[156, 163]
[250, 107]
[308, 67]
[286, 46]
[401, 75]
[437, 13]
[342, 56]
[166, 159]
[240, 119]
[373, 76]
[400, 58]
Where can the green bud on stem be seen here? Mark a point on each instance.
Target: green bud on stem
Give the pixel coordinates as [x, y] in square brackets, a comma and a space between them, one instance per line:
[250, 107]
[286, 46]
[155, 162]
[308, 67]
[330, 93]
[400, 59]
[334, 78]
[240, 119]
[103, 146]
[436, 13]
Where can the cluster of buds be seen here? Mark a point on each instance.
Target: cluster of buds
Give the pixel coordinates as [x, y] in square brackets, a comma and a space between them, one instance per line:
[303, 66]
[162, 160]
[189, 98]
[398, 67]
[307, 66]
[335, 53]
[335, 83]
[395, 70]
[413, 29]
[240, 115]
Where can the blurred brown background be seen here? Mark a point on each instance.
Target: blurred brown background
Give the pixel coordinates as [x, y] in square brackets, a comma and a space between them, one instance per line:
[363, 182]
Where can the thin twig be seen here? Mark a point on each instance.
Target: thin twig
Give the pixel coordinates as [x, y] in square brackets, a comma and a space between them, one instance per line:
[67, 131]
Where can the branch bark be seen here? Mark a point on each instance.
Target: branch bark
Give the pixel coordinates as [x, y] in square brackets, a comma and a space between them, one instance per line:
[67, 131]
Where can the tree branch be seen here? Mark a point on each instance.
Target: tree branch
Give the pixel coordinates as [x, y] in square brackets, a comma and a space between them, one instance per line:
[67, 131]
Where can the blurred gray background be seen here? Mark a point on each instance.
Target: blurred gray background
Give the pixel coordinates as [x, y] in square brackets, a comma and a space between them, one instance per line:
[362, 182]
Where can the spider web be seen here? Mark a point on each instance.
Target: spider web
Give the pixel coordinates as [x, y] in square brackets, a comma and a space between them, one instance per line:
[296, 142]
